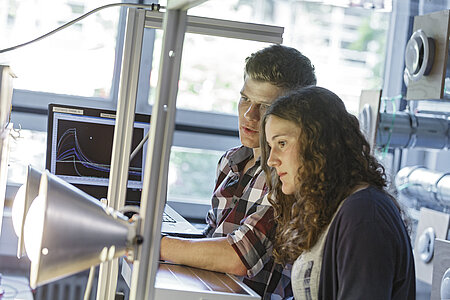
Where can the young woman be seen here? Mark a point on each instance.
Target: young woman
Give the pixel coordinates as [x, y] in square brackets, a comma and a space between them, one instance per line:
[336, 224]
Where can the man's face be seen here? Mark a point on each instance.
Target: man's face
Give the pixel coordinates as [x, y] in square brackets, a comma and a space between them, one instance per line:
[256, 97]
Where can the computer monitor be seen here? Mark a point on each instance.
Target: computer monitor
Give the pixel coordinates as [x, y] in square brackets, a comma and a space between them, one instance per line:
[79, 149]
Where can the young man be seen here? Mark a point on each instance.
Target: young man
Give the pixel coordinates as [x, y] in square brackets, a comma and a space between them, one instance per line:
[240, 225]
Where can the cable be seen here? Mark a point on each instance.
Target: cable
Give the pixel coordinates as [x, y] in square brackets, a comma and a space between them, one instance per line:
[391, 129]
[138, 147]
[130, 208]
[153, 6]
[392, 100]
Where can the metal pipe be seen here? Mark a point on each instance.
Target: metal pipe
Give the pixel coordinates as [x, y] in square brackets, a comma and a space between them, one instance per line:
[405, 130]
[424, 184]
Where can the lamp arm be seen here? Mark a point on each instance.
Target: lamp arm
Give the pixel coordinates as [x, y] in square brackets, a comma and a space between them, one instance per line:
[134, 238]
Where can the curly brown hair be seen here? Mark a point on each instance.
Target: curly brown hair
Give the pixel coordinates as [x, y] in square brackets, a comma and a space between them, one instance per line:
[335, 158]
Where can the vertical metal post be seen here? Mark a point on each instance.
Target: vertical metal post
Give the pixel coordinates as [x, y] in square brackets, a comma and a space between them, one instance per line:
[158, 152]
[398, 34]
[123, 133]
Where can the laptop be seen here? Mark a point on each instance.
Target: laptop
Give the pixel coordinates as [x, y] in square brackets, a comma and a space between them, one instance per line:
[79, 149]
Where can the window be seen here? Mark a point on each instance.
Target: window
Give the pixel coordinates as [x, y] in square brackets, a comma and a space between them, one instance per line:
[211, 74]
[80, 66]
[211, 77]
[344, 39]
[191, 174]
[76, 61]
[20, 155]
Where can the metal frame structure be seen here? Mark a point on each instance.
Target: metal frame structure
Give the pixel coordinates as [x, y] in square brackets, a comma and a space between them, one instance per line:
[123, 133]
[175, 23]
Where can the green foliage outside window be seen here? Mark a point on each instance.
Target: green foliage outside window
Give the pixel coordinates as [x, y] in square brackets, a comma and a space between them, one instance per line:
[192, 173]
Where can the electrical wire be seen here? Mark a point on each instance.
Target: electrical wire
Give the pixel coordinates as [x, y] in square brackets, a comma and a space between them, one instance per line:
[391, 129]
[138, 147]
[130, 208]
[155, 7]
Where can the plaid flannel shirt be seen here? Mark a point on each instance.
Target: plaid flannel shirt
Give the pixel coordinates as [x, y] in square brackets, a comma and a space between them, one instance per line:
[241, 212]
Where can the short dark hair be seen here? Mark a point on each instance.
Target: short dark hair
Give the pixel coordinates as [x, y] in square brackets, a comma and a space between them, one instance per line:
[281, 66]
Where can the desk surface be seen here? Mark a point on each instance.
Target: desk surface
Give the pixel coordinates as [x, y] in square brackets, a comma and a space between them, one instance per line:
[191, 279]
[177, 281]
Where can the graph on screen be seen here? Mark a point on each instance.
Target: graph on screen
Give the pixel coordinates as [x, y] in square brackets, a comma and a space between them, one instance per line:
[79, 148]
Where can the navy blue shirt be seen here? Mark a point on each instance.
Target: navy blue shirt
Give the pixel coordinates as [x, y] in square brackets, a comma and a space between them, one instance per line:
[367, 253]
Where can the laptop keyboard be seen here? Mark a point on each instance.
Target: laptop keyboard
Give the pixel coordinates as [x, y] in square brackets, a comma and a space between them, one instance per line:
[167, 218]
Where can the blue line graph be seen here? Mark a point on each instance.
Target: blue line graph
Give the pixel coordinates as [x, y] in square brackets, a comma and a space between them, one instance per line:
[71, 157]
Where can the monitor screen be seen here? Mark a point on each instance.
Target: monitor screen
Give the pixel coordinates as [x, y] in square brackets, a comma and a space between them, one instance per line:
[79, 149]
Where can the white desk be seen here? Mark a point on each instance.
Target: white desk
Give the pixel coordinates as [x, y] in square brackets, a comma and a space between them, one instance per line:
[182, 282]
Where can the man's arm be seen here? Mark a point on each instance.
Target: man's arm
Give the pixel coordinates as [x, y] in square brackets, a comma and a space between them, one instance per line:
[215, 254]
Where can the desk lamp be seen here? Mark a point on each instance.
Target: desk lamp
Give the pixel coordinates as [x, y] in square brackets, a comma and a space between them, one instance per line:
[67, 231]
[48, 212]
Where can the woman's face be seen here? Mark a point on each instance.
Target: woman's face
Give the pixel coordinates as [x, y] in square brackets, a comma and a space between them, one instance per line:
[283, 139]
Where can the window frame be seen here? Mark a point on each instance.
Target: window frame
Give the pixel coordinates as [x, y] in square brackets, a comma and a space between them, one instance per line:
[194, 129]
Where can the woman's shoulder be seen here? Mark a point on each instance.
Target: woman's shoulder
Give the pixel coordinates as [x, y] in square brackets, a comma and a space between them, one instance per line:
[367, 205]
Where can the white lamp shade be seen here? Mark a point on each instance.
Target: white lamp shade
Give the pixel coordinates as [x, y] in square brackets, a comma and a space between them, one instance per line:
[24, 197]
[67, 231]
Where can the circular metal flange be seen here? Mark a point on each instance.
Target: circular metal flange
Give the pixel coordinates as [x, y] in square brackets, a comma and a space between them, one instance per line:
[425, 245]
[419, 55]
[445, 285]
